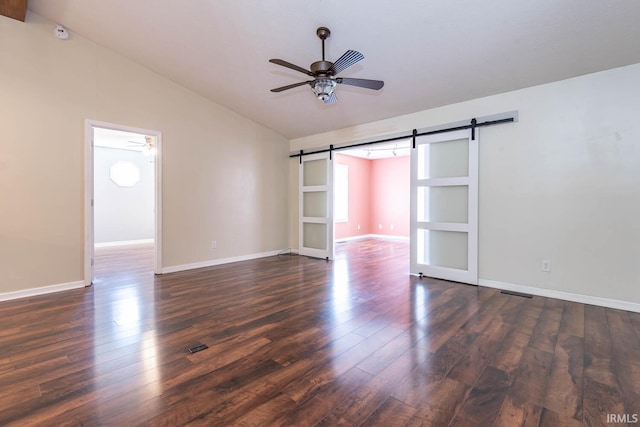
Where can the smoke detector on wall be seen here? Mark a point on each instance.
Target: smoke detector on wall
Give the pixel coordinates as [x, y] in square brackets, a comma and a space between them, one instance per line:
[61, 32]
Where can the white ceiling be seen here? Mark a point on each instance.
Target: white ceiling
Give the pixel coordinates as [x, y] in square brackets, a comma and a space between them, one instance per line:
[429, 53]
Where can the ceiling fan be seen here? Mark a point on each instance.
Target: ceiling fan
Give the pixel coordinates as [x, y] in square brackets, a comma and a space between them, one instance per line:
[324, 73]
[146, 147]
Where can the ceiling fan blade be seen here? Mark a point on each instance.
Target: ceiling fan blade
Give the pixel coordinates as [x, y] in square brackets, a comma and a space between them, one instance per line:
[365, 83]
[349, 58]
[292, 66]
[291, 86]
[331, 99]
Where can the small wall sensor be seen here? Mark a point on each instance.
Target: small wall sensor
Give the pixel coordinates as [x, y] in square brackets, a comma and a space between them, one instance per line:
[61, 32]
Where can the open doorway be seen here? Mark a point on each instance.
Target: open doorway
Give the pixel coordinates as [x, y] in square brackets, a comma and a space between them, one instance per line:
[372, 189]
[122, 192]
[372, 202]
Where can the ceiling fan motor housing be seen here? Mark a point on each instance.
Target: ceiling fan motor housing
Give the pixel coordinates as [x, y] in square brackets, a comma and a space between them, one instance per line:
[321, 67]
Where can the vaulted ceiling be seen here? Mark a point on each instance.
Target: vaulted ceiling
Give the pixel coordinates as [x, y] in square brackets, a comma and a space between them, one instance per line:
[429, 53]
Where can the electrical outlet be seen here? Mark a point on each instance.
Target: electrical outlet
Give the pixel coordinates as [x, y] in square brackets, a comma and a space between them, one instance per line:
[380, 226]
[546, 265]
[358, 226]
[214, 244]
[391, 226]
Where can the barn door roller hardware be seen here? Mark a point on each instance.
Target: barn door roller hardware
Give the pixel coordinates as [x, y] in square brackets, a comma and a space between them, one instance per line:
[473, 124]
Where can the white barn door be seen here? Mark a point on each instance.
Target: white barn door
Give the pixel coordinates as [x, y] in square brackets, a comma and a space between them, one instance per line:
[444, 206]
[316, 234]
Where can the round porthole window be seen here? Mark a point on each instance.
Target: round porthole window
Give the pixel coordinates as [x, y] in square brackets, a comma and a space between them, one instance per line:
[124, 174]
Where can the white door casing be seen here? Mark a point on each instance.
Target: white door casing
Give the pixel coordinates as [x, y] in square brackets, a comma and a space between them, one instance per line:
[89, 240]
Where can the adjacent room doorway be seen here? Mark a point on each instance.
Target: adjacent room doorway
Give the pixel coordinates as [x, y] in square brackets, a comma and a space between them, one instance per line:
[441, 203]
[122, 191]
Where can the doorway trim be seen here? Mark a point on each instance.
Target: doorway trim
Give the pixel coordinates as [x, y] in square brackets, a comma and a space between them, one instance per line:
[89, 236]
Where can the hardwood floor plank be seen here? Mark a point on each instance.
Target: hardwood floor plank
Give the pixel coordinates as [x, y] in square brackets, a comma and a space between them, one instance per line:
[635, 321]
[446, 322]
[314, 409]
[599, 364]
[392, 413]
[6, 365]
[227, 394]
[549, 418]
[263, 415]
[483, 403]
[303, 387]
[120, 410]
[32, 376]
[598, 401]
[509, 353]
[565, 385]
[443, 401]
[523, 402]
[363, 402]
[516, 413]
[299, 341]
[546, 333]
[478, 354]
[572, 322]
[382, 357]
[626, 351]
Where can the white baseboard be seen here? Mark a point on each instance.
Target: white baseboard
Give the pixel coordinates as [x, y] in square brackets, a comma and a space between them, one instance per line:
[123, 243]
[348, 239]
[567, 296]
[390, 237]
[373, 236]
[288, 251]
[41, 291]
[211, 263]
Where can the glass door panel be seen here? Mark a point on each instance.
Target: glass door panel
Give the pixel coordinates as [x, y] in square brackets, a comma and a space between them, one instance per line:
[443, 204]
[315, 172]
[315, 236]
[443, 248]
[443, 159]
[315, 204]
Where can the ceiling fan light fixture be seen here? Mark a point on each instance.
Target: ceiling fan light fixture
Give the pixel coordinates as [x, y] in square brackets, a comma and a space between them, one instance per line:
[323, 87]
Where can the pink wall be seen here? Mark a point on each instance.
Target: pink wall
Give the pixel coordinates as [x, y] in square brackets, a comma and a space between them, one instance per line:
[359, 194]
[390, 183]
[378, 194]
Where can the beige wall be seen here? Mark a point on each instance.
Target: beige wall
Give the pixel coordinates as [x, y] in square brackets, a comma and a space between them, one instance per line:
[562, 184]
[224, 177]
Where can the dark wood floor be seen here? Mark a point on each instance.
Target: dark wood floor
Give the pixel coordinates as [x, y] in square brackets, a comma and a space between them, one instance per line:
[295, 341]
